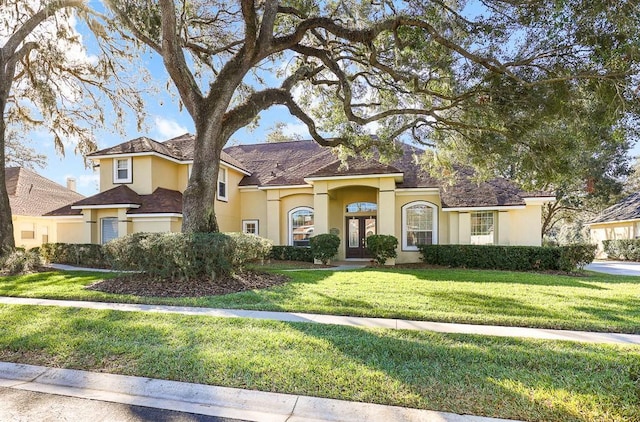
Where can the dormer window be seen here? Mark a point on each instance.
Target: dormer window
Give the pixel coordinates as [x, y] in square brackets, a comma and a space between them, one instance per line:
[222, 184]
[122, 170]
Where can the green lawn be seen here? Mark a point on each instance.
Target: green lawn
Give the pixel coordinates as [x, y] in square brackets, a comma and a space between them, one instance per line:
[596, 302]
[500, 377]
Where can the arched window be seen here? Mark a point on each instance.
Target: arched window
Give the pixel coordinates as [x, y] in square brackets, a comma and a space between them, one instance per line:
[362, 207]
[300, 226]
[419, 225]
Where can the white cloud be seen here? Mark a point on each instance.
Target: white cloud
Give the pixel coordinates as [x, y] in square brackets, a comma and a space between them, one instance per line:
[291, 129]
[167, 129]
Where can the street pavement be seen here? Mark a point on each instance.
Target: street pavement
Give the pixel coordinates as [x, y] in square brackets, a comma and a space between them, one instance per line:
[615, 267]
[28, 406]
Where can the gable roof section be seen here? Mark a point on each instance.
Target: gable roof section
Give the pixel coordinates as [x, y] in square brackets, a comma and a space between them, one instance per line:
[627, 209]
[34, 195]
[180, 148]
[289, 163]
[161, 201]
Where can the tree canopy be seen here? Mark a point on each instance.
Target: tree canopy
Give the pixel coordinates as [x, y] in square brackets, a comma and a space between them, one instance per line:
[492, 83]
[48, 80]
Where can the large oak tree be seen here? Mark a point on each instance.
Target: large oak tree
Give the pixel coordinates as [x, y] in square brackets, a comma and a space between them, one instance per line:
[477, 82]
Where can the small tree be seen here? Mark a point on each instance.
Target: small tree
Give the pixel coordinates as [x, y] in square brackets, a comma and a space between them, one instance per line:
[382, 247]
[324, 247]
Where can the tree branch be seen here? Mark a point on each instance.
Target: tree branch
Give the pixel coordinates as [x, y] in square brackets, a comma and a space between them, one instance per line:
[175, 62]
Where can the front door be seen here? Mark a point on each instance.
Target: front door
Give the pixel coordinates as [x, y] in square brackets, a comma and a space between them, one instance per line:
[358, 229]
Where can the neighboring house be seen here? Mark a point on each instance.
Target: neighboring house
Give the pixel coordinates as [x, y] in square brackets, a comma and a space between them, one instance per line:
[619, 221]
[31, 196]
[290, 191]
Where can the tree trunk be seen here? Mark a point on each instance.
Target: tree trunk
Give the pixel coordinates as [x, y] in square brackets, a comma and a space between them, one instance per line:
[198, 213]
[7, 242]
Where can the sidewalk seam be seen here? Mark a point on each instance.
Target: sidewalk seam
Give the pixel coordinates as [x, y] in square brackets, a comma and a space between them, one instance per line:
[293, 410]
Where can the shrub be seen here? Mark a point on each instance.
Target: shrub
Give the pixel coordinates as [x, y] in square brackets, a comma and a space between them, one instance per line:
[173, 255]
[324, 246]
[20, 261]
[623, 249]
[514, 258]
[576, 256]
[249, 247]
[83, 254]
[291, 253]
[382, 247]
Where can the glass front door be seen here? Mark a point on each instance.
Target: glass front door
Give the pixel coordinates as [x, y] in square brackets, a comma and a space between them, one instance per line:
[358, 229]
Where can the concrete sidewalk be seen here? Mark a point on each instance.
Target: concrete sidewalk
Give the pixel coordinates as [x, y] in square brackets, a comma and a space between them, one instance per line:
[399, 324]
[210, 400]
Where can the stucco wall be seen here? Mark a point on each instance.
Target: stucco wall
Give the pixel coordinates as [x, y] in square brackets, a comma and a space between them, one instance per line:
[525, 226]
[228, 212]
[142, 174]
[70, 231]
[612, 231]
[152, 225]
[38, 225]
[253, 206]
[164, 174]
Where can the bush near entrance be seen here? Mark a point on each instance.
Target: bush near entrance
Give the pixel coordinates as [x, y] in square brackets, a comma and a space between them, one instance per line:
[324, 247]
[382, 247]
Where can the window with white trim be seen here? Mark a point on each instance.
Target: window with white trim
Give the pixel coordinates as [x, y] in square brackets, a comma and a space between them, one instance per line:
[222, 184]
[482, 228]
[122, 170]
[300, 226]
[250, 227]
[419, 225]
[108, 229]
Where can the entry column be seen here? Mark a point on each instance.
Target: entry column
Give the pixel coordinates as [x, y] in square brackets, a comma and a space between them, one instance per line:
[320, 208]
[273, 216]
[387, 210]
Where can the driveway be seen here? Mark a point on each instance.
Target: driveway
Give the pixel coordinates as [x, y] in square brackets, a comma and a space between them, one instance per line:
[615, 267]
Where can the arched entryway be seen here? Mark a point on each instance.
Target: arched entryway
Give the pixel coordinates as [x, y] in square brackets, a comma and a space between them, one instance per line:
[361, 222]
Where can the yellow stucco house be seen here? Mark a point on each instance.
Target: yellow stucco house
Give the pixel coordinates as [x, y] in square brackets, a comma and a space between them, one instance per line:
[31, 196]
[619, 221]
[290, 191]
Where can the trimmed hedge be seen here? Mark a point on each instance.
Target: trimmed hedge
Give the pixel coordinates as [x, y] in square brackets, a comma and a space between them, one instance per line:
[81, 254]
[622, 249]
[291, 253]
[249, 247]
[173, 255]
[324, 246]
[512, 258]
[20, 261]
[382, 247]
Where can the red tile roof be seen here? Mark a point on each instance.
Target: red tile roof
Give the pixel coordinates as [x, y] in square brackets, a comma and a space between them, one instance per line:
[33, 195]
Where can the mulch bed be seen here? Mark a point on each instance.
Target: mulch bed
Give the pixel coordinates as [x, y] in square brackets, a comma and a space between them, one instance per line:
[141, 285]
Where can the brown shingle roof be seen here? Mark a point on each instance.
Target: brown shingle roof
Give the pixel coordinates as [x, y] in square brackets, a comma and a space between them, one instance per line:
[179, 148]
[627, 209]
[34, 195]
[160, 201]
[289, 163]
